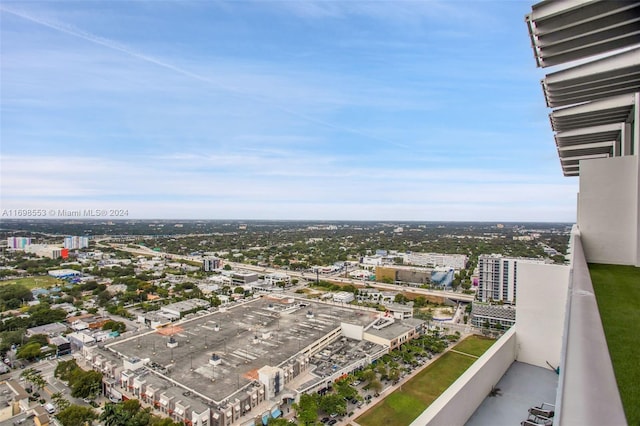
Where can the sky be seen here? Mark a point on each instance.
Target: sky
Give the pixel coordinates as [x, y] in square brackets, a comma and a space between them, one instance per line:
[310, 110]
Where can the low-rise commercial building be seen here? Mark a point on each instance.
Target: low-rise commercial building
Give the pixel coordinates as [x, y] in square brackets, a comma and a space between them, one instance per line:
[485, 315]
[343, 297]
[45, 250]
[64, 273]
[13, 399]
[392, 333]
[399, 311]
[276, 336]
[179, 309]
[276, 278]
[62, 345]
[51, 330]
[41, 417]
[455, 261]
[241, 278]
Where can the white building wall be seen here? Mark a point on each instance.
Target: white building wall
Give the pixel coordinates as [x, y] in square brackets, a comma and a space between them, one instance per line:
[608, 210]
[540, 313]
[458, 403]
[343, 297]
[200, 419]
[372, 260]
[456, 261]
[352, 331]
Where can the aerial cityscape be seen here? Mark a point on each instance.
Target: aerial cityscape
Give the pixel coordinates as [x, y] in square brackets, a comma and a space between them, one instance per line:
[319, 213]
[236, 320]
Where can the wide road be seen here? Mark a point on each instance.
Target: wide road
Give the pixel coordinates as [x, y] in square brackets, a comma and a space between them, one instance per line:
[455, 296]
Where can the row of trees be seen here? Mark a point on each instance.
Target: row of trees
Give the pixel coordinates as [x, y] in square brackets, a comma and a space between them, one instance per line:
[12, 331]
[130, 413]
[386, 368]
[33, 266]
[38, 315]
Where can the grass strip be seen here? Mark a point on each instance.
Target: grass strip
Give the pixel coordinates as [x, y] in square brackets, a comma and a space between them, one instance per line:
[617, 290]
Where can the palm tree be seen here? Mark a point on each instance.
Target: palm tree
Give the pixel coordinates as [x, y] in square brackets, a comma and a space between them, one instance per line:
[113, 415]
[60, 401]
[34, 377]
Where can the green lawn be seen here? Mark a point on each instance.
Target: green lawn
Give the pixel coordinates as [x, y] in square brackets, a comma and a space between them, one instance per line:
[34, 282]
[617, 291]
[405, 404]
[474, 345]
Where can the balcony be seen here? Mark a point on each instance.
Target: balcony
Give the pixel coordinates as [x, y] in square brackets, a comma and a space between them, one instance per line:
[522, 387]
[558, 324]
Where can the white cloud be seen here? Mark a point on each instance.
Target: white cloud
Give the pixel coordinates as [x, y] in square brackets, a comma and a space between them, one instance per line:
[75, 182]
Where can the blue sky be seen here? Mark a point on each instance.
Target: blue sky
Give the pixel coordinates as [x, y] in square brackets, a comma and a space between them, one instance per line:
[277, 110]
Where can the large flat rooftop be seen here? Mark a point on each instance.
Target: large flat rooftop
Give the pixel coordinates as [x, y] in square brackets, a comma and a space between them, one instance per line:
[523, 386]
[265, 331]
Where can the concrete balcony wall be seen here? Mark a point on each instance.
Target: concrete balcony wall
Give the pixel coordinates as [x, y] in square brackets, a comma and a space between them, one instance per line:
[608, 210]
[540, 313]
[456, 405]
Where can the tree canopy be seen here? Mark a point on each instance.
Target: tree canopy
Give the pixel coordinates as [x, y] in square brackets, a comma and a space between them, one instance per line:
[13, 295]
[76, 415]
[115, 326]
[83, 384]
[130, 413]
[29, 351]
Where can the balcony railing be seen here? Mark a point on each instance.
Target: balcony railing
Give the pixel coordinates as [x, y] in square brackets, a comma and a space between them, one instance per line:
[587, 389]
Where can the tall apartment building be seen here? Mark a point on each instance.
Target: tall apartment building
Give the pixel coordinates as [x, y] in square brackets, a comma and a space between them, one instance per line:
[211, 264]
[75, 242]
[498, 277]
[18, 243]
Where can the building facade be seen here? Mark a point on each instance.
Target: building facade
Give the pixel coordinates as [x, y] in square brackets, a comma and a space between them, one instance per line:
[75, 242]
[46, 250]
[455, 261]
[18, 243]
[210, 264]
[498, 277]
[485, 315]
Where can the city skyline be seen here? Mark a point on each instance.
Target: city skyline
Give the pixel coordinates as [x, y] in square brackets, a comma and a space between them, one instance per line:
[277, 110]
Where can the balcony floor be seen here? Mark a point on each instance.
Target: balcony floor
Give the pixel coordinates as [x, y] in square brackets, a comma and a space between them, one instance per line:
[522, 386]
